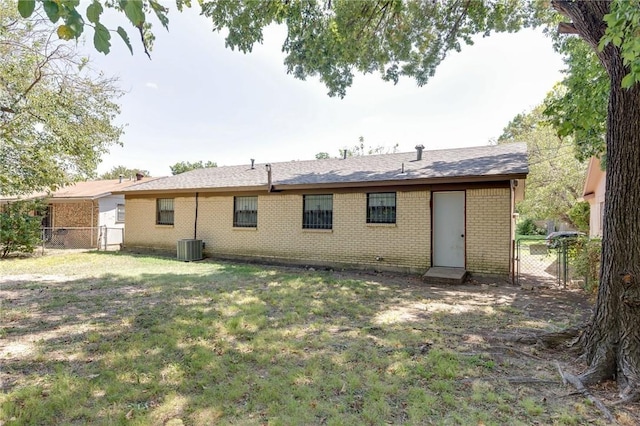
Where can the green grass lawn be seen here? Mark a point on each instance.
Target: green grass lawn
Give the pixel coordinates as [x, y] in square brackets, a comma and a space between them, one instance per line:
[110, 338]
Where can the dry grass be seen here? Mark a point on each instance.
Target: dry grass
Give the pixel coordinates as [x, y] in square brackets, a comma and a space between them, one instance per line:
[108, 338]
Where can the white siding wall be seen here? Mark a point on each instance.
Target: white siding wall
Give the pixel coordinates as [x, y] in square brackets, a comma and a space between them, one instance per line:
[108, 217]
[596, 205]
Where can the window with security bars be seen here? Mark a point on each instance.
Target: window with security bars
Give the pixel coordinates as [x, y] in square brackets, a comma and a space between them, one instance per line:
[317, 212]
[164, 211]
[245, 212]
[381, 207]
[120, 213]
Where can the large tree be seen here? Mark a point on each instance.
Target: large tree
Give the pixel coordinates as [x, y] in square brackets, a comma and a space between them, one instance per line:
[612, 341]
[55, 112]
[125, 172]
[185, 166]
[334, 39]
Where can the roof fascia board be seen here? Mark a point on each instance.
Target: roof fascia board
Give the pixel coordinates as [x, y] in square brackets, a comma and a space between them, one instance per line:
[331, 185]
[594, 171]
[192, 190]
[407, 182]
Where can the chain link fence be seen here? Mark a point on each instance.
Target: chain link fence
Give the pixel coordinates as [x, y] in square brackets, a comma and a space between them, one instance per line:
[75, 238]
[70, 238]
[536, 262]
[557, 262]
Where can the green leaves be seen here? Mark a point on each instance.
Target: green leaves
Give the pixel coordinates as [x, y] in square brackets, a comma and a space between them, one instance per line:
[20, 226]
[555, 175]
[94, 10]
[125, 37]
[123, 171]
[161, 13]
[134, 11]
[334, 40]
[578, 107]
[623, 32]
[629, 80]
[65, 33]
[52, 10]
[101, 39]
[60, 120]
[26, 7]
[74, 21]
[185, 166]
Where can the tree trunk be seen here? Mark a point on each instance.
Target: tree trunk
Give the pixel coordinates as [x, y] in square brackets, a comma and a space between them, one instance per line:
[612, 340]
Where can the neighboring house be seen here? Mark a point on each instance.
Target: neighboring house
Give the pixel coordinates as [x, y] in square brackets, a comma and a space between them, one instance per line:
[79, 215]
[405, 211]
[594, 194]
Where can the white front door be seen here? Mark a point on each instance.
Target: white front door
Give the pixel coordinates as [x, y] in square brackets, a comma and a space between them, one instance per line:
[448, 228]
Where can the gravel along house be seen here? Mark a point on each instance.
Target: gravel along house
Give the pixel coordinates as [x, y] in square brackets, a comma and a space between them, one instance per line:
[450, 208]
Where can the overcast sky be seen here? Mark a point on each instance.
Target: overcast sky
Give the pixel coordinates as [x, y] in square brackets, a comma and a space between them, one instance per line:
[196, 100]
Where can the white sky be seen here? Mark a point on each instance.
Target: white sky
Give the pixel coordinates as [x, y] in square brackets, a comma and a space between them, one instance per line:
[196, 100]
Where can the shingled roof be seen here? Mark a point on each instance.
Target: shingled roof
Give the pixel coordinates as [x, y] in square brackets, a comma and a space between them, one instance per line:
[486, 163]
[87, 190]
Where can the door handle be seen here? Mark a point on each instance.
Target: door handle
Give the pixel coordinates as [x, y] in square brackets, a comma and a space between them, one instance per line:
[462, 236]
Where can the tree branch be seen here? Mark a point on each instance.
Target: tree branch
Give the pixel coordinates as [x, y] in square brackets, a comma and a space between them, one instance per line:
[144, 43]
[586, 18]
[383, 14]
[454, 29]
[567, 28]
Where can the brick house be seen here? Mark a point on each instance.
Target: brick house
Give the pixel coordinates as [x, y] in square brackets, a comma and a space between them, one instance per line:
[405, 211]
[76, 213]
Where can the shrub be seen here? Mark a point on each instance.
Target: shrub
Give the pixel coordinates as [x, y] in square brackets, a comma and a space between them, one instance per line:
[20, 223]
[585, 257]
[528, 227]
[579, 215]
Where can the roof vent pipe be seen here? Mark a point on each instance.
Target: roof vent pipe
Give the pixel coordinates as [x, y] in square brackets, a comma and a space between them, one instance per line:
[121, 176]
[419, 149]
[344, 154]
[268, 167]
[252, 163]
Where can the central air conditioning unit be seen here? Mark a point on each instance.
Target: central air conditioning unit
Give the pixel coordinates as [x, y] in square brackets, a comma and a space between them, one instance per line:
[189, 250]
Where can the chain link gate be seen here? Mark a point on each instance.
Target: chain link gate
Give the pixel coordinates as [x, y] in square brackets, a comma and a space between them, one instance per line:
[540, 263]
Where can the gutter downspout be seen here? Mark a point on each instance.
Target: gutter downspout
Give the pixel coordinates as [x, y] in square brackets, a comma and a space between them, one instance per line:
[512, 223]
[195, 223]
[92, 222]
